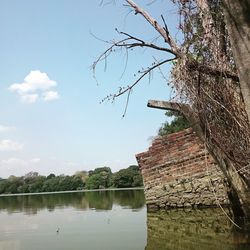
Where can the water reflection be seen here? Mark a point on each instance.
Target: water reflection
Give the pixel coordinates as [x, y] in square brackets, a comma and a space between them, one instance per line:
[107, 220]
[98, 200]
[111, 220]
[206, 229]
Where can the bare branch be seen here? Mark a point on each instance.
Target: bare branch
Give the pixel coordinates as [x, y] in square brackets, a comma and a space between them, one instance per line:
[152, 46]
[125, 67]
[165, 25]
[129, 42]
[163, 31]
[106, 53]
[127, 102]
[130, 36]
[146, 72]
[142, 43]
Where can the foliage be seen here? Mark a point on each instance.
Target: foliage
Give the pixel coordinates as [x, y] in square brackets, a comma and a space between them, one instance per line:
[99, 178]
[37, 183]
[177, 124]
[95, 179]
[94, 182]
[83, 175]
[129, 177]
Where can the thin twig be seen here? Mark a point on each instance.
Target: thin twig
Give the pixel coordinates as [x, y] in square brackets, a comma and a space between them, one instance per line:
[127, 102]
[142, 76]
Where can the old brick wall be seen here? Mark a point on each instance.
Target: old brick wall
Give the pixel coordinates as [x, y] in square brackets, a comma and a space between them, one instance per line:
[178, 172]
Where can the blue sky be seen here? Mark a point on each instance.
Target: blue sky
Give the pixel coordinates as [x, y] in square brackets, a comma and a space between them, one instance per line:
[51, 120]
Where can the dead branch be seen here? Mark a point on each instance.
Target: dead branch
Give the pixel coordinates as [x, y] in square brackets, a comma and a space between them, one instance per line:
[163, 31]
[106, 53]
[128, 43]
[145, 73]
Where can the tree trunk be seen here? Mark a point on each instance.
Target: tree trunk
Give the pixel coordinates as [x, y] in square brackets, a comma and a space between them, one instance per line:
[237, 18]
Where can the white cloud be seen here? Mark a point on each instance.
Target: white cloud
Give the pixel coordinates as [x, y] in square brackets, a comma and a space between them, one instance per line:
[50, 95]
[35, 80]
[35, 160]
[13, 161]
[30, 98]
[8, 145]
[20, 162]
[17, 166]
[36, 83]
[4, 128]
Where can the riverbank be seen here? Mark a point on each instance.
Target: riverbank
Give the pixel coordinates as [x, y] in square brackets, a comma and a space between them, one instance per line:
[74, 191]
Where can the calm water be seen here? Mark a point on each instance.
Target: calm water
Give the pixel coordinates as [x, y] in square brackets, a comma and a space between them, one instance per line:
[110, 220]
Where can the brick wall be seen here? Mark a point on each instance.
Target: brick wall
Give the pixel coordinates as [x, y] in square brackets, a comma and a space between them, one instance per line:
[178, 172]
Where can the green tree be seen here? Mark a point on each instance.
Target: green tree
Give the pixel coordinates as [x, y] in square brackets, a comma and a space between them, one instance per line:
[3, 186]
[77, 182]
[34, 183]
[83, 174]
[50, 176]
[137, 180]
[51, 185]
[99, 178]
[178, 123]
[94, 181]
[129, 177]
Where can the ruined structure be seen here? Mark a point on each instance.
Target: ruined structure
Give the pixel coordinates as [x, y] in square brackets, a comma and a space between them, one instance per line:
[178, 172]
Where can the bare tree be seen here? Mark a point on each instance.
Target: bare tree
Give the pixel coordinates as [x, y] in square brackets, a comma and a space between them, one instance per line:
[210, 91]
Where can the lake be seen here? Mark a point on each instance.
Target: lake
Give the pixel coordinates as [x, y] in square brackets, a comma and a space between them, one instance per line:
[110, 220]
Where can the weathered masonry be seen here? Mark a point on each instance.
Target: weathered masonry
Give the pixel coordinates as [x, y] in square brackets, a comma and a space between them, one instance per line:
[178, 172]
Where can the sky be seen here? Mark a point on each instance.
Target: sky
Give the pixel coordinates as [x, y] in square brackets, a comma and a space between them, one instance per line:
[51, 119]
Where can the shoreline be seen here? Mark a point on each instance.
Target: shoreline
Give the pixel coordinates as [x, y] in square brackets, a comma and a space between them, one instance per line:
[74, 191]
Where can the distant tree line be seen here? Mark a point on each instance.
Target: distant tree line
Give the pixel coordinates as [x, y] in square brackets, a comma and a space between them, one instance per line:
[124, 178]
[93, 179]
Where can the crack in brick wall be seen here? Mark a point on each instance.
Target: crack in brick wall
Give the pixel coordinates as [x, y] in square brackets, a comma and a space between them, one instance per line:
[177, 171]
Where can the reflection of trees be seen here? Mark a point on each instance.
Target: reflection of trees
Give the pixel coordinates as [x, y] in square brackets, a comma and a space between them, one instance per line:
[31, 204]
[131, 198]
[206, 229]
[99, 200]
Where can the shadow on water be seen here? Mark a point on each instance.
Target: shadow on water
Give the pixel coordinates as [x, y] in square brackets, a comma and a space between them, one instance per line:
[206, 229]
[98, 200]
